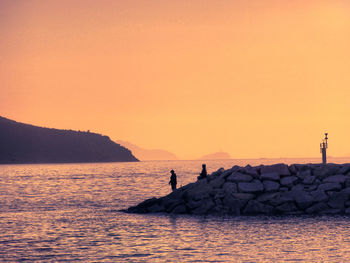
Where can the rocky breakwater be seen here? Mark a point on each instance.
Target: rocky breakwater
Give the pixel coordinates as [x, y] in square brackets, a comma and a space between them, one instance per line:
[269, 190]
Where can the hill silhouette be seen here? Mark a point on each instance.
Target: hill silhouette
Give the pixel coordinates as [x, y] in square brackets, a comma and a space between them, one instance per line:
[24, 143]
[146, 154]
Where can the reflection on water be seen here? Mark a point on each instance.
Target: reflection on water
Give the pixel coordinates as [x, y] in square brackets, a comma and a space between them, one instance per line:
[69, 212]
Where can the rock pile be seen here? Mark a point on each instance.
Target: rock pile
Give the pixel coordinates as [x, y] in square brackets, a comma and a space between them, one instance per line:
[273, 189]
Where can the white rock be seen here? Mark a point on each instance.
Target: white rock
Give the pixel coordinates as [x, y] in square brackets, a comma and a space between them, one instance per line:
[239, 177]
[217, 182]
[329, 186]
[199, 190]
[155, 208]
[232, 202]
[280, 168]
[180, 209]
[253, 171]
[288, 181]
[230, 187]
[204, 208]
[303, 199]
[319, 196]
[287, 207]
[335, 179]
[283, 189]
[298, 187]
[345, 169]
[303, 174]
[215, 174]
[254, 207]
[194, 204]
[309, 179]
[332, 211]
[317, 208]
[200, 195]
[271, 186]
[252, 187]
[324, 171]
[293, 169]
[243, 196]
[270, 176]
[226, 173]
[337, 200]
[268, 196]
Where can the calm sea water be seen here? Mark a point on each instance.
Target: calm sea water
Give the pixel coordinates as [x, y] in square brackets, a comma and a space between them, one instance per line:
[69, 212]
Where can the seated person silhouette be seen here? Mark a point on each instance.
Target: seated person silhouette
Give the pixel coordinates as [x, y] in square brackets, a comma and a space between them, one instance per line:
[204, 173]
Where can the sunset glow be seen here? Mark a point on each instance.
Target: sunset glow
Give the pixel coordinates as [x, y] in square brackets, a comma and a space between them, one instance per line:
[258, 78]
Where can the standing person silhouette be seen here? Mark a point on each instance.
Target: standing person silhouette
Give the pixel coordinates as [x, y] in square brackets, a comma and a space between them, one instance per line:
[204, 173]
[173, 180]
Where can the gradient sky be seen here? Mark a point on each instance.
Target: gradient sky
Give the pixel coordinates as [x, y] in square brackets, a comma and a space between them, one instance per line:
[257, 78]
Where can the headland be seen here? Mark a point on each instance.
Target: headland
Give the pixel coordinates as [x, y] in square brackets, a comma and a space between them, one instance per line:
[24, 143]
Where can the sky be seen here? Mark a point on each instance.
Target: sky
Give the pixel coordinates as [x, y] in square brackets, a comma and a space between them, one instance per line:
[254, 78]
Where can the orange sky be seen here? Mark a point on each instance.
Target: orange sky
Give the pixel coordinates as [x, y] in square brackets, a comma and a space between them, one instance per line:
[256, 78]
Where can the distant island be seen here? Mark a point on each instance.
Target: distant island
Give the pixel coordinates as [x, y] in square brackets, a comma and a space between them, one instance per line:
[146, 154]
[216, 156]
[24, 143]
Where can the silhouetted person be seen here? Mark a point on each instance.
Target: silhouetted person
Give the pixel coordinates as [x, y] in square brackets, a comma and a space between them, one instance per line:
[204, 173]
[173, 180]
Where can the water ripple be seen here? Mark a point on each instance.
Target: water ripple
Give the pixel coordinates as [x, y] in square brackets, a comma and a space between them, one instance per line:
[70, 212]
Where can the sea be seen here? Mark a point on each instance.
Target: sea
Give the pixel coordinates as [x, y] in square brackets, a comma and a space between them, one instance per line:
[70, 212]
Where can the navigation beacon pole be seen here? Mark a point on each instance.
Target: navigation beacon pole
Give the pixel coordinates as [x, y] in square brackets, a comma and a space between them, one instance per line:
[323, 148]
